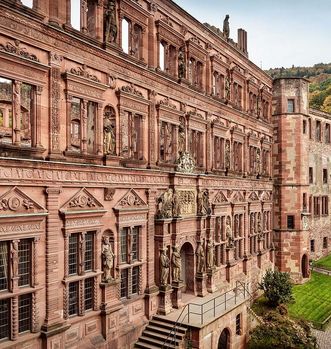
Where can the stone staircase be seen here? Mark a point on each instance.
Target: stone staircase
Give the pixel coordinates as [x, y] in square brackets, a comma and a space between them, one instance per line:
[155, 335]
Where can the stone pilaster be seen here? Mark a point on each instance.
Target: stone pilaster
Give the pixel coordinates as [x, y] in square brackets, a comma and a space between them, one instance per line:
[53, 323]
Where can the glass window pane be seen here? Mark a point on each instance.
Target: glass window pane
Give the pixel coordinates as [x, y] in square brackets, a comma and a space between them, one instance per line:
[73, 298]
[89, 251]
[3, 265]
[135, 280]
[24, 313]
[88, 291]
[134, 240]
[124, 283]
[73, 254]
[24, 262]
[4, 318]
[290, 106]
[124, 246]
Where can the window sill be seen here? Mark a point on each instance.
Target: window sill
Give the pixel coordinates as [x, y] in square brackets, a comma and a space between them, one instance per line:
[134, 163]
[74, 278]
[10, 150]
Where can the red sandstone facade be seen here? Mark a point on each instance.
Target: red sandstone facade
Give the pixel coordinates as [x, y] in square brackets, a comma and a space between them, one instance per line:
[139, 131]
[302, 178]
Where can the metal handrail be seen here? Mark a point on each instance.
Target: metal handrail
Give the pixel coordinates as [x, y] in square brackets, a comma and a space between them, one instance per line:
[173, 332]
[174, 328]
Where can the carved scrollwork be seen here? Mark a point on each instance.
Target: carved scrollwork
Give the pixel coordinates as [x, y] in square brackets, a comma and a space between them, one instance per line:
[131, 89]
[167, 102]
[18, 51]
[83, 72]
[185, 163]
[82, 201]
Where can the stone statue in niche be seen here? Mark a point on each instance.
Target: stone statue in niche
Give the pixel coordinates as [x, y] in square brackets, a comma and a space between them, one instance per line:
[165, 265]
[110, 22]
[210, 254]
[107, 259]
[200, 253]
[176, 262]
[258, 161]
[176, 205]
[259, 227]
[226, 27]
[228, 233]
[14, 258]
[109, 140]
[181, 64]
[185, 163]
[165, 204]
[181, 139]
[227, 154]
[203, 203]
[252, 223]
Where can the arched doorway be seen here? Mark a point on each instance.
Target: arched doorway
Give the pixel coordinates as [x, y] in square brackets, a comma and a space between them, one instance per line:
[187, 272]
[304, 266]
[224, 341]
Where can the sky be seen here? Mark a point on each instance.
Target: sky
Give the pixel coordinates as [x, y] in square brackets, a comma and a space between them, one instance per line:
[280, 33]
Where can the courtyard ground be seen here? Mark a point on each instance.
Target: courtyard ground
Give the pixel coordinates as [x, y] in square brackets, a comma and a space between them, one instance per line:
[313, 300]
[324, 263]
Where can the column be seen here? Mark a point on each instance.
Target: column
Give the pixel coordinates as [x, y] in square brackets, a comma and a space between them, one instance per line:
[17, 113]
[83, 126]
[53, 277]
[83, 16]
[54, 110]
[58, 12]
[99, 25]
[14, 318]
[143, 135]
[36, 119]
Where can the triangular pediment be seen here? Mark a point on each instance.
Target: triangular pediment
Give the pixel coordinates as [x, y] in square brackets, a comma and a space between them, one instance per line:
[220, 198]
[265, 196]
[130, 200]
[83, 200]
[237, 197]
[253, 196]
[15, 201]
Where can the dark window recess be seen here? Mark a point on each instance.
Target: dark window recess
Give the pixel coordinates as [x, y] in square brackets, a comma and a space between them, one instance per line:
[4, 318]
[327, 133]
[24, 264]
[290, 222]
[73, 298]
[124, 245]
[325, 175]
[304, 126]
[290, 105]
[311, 175]
[312, 245]
[238, 324]
[88, 291]
[135, 280]
[89, 251]
[4, 269]
[325, 242]
[124, 283]
[73, 254]
[24, 313]
[318, 131]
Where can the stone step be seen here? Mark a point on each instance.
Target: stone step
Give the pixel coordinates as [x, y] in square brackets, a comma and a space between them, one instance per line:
[165, 331]
[155, 342]
[162, 337]
[142, 345]
[169, 324]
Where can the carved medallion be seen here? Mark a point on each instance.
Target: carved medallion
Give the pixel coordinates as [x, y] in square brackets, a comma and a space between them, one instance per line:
[185, 163]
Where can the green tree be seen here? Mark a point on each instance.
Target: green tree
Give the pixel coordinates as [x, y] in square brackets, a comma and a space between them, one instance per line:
[277, 287]
[327, 104]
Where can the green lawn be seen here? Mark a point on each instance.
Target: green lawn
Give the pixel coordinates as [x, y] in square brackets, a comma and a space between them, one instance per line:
[312, 299]
[324, 262]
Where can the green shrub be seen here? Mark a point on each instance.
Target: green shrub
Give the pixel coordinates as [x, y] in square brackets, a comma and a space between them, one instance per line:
[277, 287]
